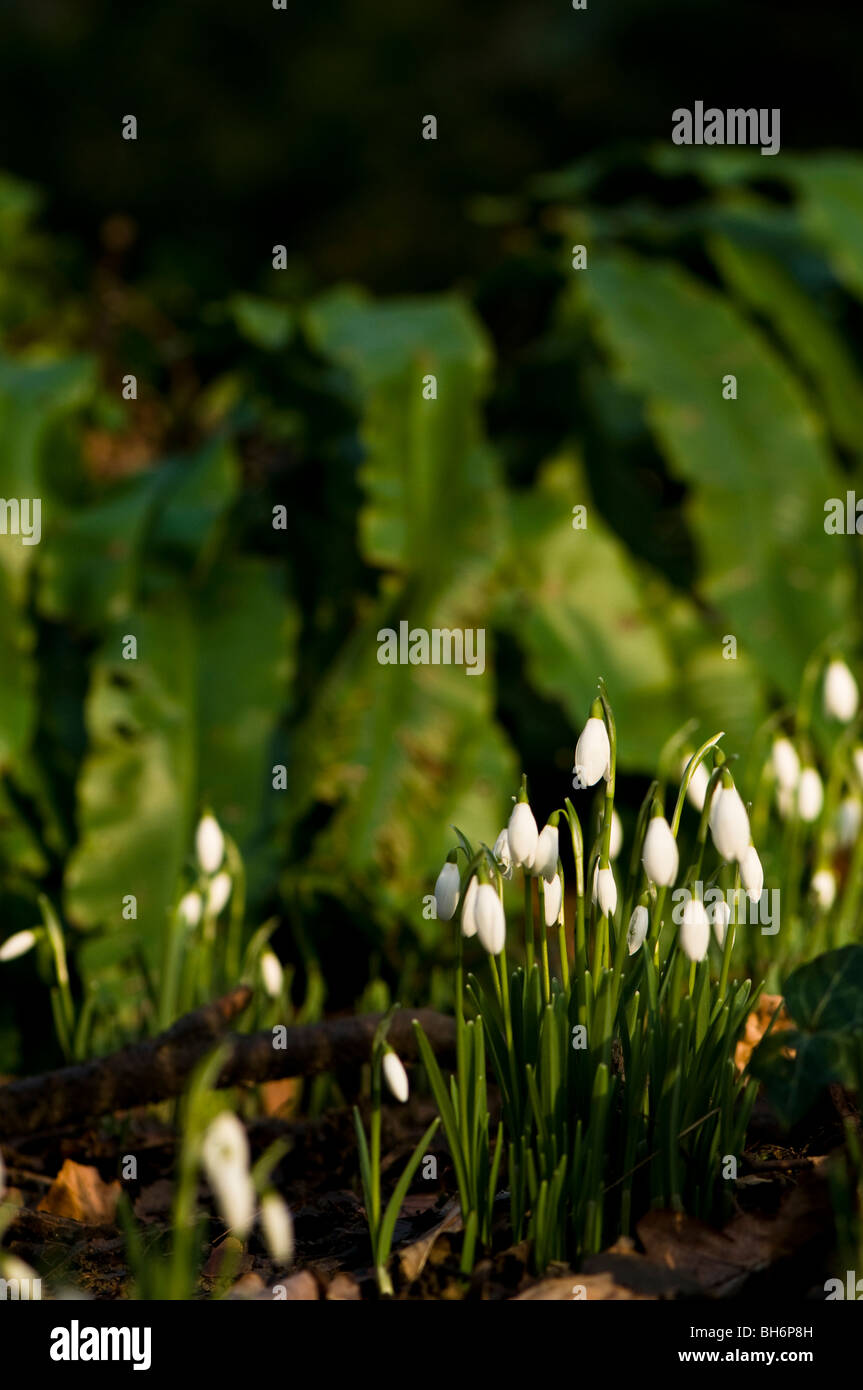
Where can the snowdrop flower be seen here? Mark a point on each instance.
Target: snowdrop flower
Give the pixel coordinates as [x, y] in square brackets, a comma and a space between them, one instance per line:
[218, 892]
[694, 930]
[848, 818]
[522, 834]
[786, 763]
[605, 890]
[810, 795]
[660, 854]
[553, 900]
[697, 789]
[719, 914]
[824, 888]
[468, 920]
[278, 1227]
[592, 753]
[209, 844]
[395, 1076]
[502, 854]
[547, 852]
[637, 932]
[225, 1156]
[616, 844]
[18, 944]
[729, 823]
[446, 891]
[841, 696]
[272, 974]
[190, 907]
[490, 920]
[752, 874]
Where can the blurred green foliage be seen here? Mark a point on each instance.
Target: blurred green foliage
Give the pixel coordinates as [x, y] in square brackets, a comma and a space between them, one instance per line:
[257, 646]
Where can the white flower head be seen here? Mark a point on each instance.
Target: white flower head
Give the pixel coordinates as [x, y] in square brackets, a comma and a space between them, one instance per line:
[209, 844]
[786, 764]
[605, 890]
[468, 919]
[225, 1157]
[697, 789]
[660, 853]
[824, 888]
[729, 823]
[18, 944]
[395, 1076]
[638, 924]
[547, 853]
[218, 892]
[272, 974]
[446, 891]
[810, 795]
[502, 854]
[278, 1227]
[553, 900]
[694, 930]
[841, 696]
[490, 920]
[848, 819]
[752, 874]
[719, 914]
[522, 834]
[592, 753]
[190, 908]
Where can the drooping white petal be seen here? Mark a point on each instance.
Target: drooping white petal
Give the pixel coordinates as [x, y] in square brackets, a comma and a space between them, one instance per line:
[638, 924]
[446, 892]
[225, 1156]
[719, 914]
[490, 920]
[752, 874]
[218, 892]
[697, 789]
[190, 907]
[592, 753]
[786, 763]
[395, 1076]
[18, 944]
[272, 974]
[841, 696]
[502, 853]
[810, 795]
[729, 823]
[848, 819]
[522, 834]
[209, 844]
[278, 1227]
[605, 890]
[547, 853]
[468, 919]
[660, 853]
[553, 900]
[694, 930]
[824, 888]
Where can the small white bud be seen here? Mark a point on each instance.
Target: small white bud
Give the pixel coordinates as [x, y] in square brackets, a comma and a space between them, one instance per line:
[752, 874]
[660, 854]
[848, 818]
[824, 889]
[729, 823]
[446, 891]
[18, 944]
[225, 1157]
[190, 907]
[786, 763]
[553, 900]
[209, 844]
[468, 919]
[841, 695]
[218, 892]
[605, 890]
[523, 835]
[502, 854]
[547, 852]
[719, 914]
[490, 920]
[697, 789]
[694, 930]
[278, 1228]
[395, 1076]
[592, 753]
[638, 924]
[272, 974]
[810, 795]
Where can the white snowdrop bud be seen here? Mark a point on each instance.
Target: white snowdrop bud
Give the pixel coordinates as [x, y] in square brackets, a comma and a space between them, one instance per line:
[637, 932]
[190, 907]
[592, 753]
[810, 795]
[218, 892]
[660, 854]
[824, 888]
[752, 874]
[719, 914]
[697, 789]
[841, 696]
[522, 834]
[694, 930]
[225, 1157]
[278, 1227]
[553, 900]
[848, 818]
[18, 944]
[490, 920]
[547, 851]
[272, 974]
[616, 841]
[395, 1076]
[786, 763]
[605, 890]
[209, 844]
[446, 891]
[502, 853]
[468, 920]
[729, 823]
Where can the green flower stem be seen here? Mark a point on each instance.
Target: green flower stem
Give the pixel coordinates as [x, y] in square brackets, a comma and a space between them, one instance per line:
[528, 920]
[546, 979]
[561, 933]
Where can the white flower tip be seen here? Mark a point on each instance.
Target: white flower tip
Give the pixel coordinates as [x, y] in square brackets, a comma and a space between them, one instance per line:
[395, 1076]
[209, 844]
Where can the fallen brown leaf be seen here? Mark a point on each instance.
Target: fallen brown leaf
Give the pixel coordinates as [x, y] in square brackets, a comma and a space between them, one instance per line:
[79, 1194]
[412, 1258]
